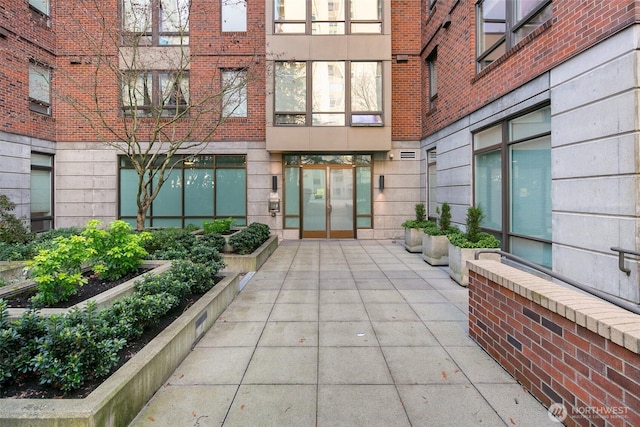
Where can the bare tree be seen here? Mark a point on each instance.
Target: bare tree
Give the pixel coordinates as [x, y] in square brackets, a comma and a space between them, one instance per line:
[158, 112]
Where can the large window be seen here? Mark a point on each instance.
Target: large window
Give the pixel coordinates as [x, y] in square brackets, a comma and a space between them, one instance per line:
[432, 184]
[331, 84]
[41, 192]
[200, 188]
[41, 6]
[503, 23]
[155, 94]
[156, 22]
[513, 183]
[328, 16]
[39, 88]
[234, 15]
[234, 98]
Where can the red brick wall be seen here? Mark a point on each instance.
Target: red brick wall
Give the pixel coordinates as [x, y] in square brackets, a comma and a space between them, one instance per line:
[26, 39]
[574, 26]
[210, 48]
[406, 22]
[557, 360]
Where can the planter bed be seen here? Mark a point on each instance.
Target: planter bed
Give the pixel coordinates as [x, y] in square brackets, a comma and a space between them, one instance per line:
[252, 261]
[103, 300]
[121, 396]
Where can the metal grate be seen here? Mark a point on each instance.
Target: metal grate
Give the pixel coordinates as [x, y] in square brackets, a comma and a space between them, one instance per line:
[407, 155]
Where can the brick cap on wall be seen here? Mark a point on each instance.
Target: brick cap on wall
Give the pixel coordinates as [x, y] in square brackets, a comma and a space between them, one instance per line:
[606, 319]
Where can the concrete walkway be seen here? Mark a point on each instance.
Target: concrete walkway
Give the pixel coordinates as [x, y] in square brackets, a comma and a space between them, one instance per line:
[343, 333]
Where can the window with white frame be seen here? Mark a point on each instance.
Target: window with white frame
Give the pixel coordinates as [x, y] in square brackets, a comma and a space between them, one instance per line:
[39, 88]
[512, 169]
[155, 93]
[156, 22]
[234, 15]
[503, 23]
[331, 84]
[328, 16]
[234, 97]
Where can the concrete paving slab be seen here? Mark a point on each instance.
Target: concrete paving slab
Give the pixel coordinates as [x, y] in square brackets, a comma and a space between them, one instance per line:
[360, 405]
[306, 296]
[283, 365]
[402, 284]
[404, 334]
[438, 311]
[447, 405]
[213, 365]
[413, 296]
[248, 312]
[273, 405]
[339, 296]
[352, 365]
[343, 312]
[294, 313]
[450, 333]
[385, 296]
[478, 366]
[232, 334]
[347, 334]
[366, 283]
[290, 334]
[206, 405]
[515, 405]
[391, 312]
[423, 365]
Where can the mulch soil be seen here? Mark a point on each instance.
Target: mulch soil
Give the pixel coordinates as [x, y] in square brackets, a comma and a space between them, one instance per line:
[28, 387]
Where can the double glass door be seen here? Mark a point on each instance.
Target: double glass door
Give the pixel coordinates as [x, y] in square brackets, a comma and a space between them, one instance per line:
[327, 205]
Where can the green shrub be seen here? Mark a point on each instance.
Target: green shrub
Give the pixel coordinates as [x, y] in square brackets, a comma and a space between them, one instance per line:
[168, 240]
[250, 238]
[213, 240]
[117, 251]
[58, 271]
[217, 226]
[199, 277]
[162, 283]
[12, 228]
[473, 238]
[16, 251]
[444, 221]
[420, 220]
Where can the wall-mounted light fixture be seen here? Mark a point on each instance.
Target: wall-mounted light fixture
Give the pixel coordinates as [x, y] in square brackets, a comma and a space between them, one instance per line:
[274, 183]
[391, 156]
[381, 182]
[447, 21]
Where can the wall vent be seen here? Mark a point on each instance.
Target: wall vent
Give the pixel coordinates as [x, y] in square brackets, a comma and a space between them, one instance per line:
[408, 155]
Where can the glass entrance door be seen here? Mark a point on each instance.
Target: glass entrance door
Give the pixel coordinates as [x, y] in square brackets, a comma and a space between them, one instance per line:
[327, 201]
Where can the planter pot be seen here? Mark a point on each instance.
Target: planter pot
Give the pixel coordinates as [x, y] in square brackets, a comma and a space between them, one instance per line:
[458, 258]
[413, 239]
[435, 249]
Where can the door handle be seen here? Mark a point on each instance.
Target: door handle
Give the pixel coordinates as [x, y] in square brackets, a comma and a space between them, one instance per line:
[329, 208]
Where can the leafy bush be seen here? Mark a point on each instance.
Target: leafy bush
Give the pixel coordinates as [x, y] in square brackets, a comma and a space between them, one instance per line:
[217, 226]
[444, 221]
[118, 251]
[58, 271]
[12, 228]
[212, 240]
[250, 238]
[163, 283]
[169, 241]
[198, 278]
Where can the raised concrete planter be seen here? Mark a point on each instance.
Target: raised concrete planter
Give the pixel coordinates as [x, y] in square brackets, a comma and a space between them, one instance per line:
[252, 261]
[103, 300]
[458, 257]
[12, 271]
[413, 239]
[435, 249]
[119, 399]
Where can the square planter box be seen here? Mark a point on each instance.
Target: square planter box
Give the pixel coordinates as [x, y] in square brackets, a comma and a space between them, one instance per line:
[435, 249]
[413, 239]
[458, 258]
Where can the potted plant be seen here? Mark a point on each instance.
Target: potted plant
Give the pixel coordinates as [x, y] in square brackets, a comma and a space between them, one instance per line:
[462, 246]
[435, 241]
[413, 229]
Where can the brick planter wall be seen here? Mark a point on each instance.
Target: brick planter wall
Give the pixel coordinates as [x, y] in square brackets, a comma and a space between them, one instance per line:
[565, 347]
